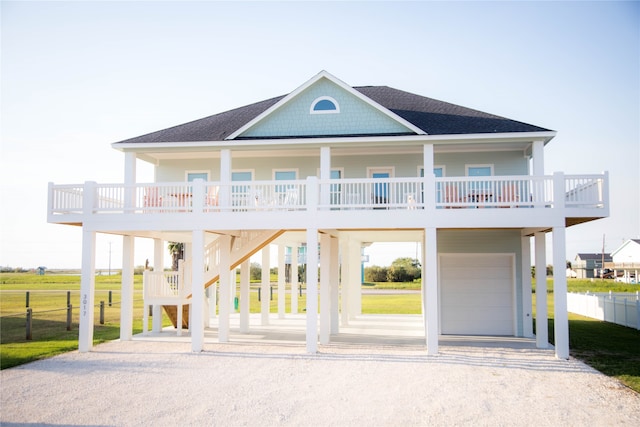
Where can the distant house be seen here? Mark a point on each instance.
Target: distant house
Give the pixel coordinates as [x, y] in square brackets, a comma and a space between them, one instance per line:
[587, 265]
[626, 261]
[627, 253]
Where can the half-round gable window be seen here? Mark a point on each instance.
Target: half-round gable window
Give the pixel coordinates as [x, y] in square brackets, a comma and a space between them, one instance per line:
[324, 105]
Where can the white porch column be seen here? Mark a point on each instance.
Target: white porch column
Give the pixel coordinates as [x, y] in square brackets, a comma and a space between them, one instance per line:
[87, 291]
[430, 283]
[325, 174]
[325, 294]
[538, 158]
[158, 265]
[345, 292]
[427, 158]
[542, 334]
[225, 177]
[561, 317]
[265, 287]
[245, 268]
[196, 321]
[129, 180]
[334, 286]
[527, 302]
[224, 280]
[312, 290]
[281, 283]
[294, 279]
[126, 305]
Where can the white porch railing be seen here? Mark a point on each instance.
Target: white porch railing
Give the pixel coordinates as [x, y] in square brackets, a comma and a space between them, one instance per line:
[582, 191]
[622, 309]
[165, 286]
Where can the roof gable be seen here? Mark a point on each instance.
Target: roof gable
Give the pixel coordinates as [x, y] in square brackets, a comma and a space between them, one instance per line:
[349, 113]
[630, 246]
[398, 112]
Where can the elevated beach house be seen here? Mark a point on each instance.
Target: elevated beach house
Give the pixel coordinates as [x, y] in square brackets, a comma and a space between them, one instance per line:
[332, 167]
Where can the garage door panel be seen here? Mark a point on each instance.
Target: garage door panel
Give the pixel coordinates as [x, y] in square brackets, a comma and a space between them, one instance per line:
[476, 294]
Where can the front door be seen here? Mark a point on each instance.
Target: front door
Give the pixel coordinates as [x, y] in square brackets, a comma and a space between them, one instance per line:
[380, 191]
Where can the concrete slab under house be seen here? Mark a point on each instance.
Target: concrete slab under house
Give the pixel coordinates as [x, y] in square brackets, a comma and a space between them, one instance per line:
[331, 168]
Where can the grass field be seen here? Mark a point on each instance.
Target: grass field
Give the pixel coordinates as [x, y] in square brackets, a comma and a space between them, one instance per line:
[612, 349]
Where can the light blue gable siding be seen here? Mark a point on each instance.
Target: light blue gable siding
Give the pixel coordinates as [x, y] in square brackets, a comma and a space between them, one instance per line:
[485, 242]
[355, 117]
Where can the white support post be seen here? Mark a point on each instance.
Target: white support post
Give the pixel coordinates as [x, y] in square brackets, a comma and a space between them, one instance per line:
[325, 174]
[294, 279]
[537, 153]
[325, 295]
[355, 278]
[224, 280]
[344, 286]
[225, 178]
[196, 323]
[158, 265]
[527, 301]
[542, 334]
[129, 181]
[561, 317]
[432, 326]
[281, 283]
[211, 295]
[244, 296]
[312, 290]
[87, 291]
[335, 286]
[429, 189]
[265, 287]
[126, 305]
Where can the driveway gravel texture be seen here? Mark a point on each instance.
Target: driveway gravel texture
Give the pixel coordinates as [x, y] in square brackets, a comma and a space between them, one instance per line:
[135, 383]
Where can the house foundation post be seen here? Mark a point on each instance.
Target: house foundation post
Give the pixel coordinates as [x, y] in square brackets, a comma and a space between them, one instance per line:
[225, 291]
[158, 265]
[325, 294]
[265, 287]
[126, 304]
[560, 315]
[355, 278]
[542, 334]
[245, 268]
[334, 286]
[87, 291]
[282, 294]
[196, 322]
[294, 279]
[312, 290]
[527, 301]
[430, 283]
[344, 283]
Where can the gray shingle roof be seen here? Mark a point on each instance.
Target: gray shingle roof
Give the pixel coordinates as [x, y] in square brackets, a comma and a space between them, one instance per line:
[433, 116]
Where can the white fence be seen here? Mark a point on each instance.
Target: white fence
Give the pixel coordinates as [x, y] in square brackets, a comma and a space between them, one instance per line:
[622, 309]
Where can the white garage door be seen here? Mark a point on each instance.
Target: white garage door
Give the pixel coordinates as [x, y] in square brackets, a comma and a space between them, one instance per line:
[476, 294]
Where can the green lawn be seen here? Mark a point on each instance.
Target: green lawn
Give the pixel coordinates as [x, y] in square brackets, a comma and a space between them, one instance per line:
[612, 349]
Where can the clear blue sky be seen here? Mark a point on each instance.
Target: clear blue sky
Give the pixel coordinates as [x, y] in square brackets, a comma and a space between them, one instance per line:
[77, 76]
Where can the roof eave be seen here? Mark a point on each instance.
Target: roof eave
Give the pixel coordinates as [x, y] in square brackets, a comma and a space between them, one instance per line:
[373, 140]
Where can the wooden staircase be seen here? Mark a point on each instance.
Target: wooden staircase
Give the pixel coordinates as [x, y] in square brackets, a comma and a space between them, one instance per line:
[244, 246]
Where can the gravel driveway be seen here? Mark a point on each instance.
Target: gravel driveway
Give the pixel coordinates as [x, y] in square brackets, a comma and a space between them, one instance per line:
[259, 383]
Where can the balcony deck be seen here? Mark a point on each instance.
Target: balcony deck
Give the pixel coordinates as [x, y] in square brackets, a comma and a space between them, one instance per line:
[577, 198]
